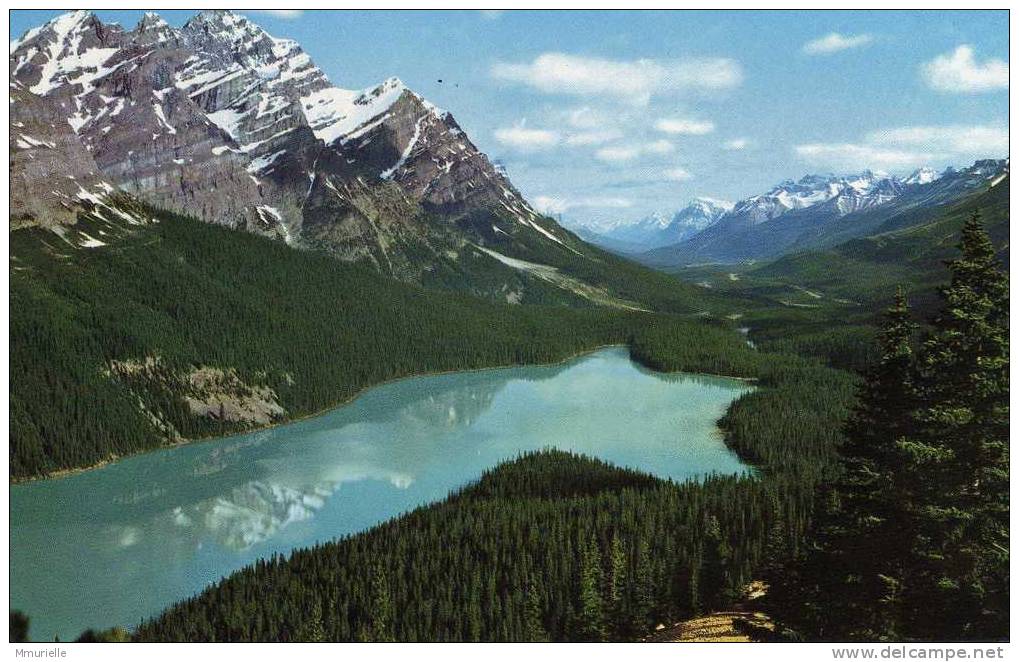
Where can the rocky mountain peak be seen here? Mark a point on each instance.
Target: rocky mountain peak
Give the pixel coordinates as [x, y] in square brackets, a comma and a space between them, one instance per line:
[223, 121]
[923, 175]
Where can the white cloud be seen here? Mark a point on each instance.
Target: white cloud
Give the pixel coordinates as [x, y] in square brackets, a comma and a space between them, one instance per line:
[595, 137]
[554, 204]
[287, 14]
[659, 147]
[617, 153]
[522, 138]
[857, 156]
[735, 144]
[834, 42]
[635, 81]
[960, 72]
[911, 146]
[623, 153]
[685, 126]
[492, 14]
[676, 174]
[952, 139]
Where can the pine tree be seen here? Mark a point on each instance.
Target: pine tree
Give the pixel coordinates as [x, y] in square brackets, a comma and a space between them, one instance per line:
[846, 584]
[643, 603]
[381, 615]
[911, 541]
[591, 617]
[617, 590]
[533, 616]
[961, 587]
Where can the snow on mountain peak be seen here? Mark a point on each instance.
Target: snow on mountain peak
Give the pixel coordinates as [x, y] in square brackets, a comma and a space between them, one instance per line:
[923, 175]
[69, 49]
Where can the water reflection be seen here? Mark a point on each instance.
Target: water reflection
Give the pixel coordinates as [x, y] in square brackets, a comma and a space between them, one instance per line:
[109, 546]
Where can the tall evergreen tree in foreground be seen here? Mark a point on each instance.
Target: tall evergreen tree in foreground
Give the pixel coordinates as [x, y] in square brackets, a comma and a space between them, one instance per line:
[852, 562]
[911, 542]
[960, 589]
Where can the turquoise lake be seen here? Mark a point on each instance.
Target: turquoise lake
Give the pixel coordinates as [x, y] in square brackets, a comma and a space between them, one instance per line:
[114, 545]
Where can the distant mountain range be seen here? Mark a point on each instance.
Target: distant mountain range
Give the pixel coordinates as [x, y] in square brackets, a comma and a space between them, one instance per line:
[819, 211]
[657, 229]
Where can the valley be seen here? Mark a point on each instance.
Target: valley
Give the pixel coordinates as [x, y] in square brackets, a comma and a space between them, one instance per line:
[292, 362]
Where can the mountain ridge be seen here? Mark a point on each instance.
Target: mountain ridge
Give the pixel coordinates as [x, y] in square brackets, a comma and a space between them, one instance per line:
[223, 121]
[819, 210]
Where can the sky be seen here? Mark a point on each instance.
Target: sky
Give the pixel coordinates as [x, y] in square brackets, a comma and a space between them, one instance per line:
[608, 116]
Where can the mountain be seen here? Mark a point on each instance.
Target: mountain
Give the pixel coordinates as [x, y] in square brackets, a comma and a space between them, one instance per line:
[866, 270]
[820, 210]
[656, 229]
[223, 121]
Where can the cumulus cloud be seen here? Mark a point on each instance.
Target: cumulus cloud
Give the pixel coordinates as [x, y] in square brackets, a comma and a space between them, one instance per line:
[960, 72]
[554, 204]
[978, 140]
[288, 14]
[857, 156]
[735, 144]
[685, 126]
[676, 174]
[522, 138]
[623, 153]
[635, 81]
[910, 146]
[617, 153]
[594, 137]
[834, 42]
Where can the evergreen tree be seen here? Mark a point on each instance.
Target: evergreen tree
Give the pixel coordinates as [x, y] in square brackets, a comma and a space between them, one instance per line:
[912, 540]
[533, 616]
[617, 590]
[960, 589]
[643, 601]
[19, 627]
[591, 617]
[381, 614]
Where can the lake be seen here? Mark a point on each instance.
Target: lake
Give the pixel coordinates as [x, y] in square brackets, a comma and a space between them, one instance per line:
[119, 543]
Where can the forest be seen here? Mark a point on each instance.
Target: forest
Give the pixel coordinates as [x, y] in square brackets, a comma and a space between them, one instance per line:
[551, 546]
[877, 517]
[105, 341]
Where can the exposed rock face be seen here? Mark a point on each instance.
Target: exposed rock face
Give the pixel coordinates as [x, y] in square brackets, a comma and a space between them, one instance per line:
[225, 122]
[49, 167]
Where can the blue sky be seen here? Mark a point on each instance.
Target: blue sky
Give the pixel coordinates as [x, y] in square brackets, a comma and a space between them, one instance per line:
[605, 115]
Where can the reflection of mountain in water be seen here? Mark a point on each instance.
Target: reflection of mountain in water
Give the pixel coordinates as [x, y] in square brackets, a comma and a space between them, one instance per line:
[242, 490]
[158, 527]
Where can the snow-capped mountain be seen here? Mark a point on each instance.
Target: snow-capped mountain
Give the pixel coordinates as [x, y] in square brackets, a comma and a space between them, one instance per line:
[817, 209]
[922, 176]
[221, 120]
[657, 229]
[842, 195]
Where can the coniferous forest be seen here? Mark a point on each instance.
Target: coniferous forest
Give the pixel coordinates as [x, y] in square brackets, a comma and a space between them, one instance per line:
[104, 341]
[852, 453]
[909, 540]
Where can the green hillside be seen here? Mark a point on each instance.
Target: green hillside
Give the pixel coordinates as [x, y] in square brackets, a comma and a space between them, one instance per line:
[178, 329]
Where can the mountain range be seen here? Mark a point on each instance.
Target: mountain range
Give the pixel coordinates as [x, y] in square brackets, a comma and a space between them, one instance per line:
[224, 122]
[819, 211]
[656, 229]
